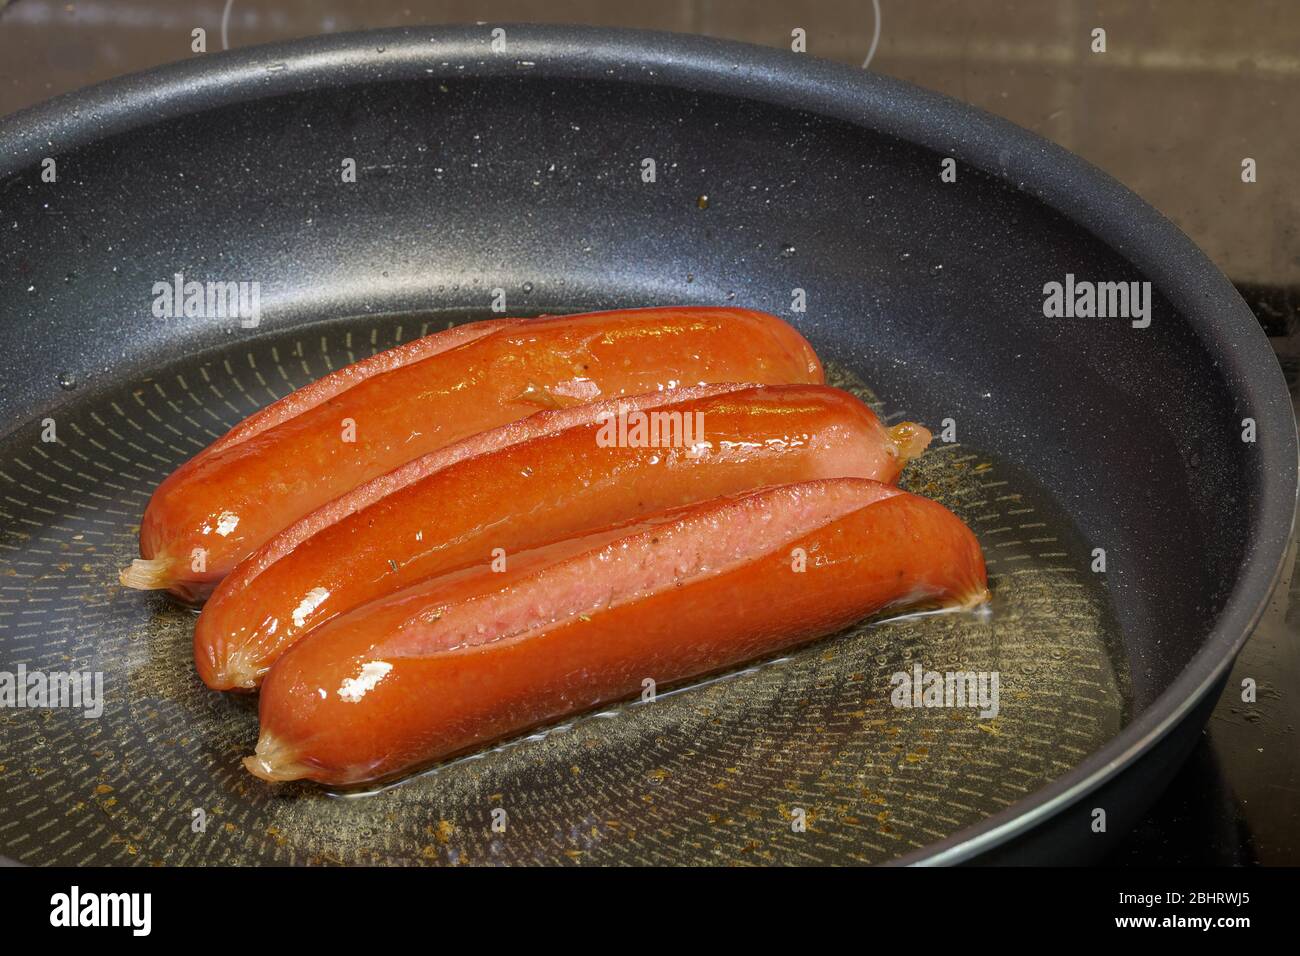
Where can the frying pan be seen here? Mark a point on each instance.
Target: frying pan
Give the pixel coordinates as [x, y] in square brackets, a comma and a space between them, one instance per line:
[521, 169]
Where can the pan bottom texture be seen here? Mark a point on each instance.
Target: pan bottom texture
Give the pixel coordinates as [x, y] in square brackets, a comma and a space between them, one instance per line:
[810, 758]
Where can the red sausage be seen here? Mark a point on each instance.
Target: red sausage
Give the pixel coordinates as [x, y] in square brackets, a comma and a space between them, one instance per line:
[542, 479]
[367, 419]
[468, 658]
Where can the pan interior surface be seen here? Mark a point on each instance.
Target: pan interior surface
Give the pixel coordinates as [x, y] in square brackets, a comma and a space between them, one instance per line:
[1071, 437]
[718, 771]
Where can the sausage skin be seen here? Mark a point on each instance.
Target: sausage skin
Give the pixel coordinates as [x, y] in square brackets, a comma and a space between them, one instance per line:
[367, 419]
[543, 479]
[459, 661]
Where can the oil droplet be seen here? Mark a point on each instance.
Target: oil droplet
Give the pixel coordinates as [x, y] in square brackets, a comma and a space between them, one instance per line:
[702, 202]
[67, 381]
[936, 268]
[904, 256]
[787, 251]
[528, 288]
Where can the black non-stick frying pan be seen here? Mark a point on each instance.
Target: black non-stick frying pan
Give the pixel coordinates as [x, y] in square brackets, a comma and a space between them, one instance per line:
[520, 168]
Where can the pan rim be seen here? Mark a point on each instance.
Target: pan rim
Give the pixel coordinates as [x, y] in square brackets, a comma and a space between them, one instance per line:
[1054, 176]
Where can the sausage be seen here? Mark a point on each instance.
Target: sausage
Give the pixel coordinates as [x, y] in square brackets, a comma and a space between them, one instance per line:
[458, 661]
[548, 477]
[367, 419]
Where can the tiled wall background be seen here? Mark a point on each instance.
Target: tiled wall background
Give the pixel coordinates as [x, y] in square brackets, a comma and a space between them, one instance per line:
[1185, 91]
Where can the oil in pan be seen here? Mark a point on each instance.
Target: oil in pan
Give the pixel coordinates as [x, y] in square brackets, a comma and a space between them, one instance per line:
[820, 756]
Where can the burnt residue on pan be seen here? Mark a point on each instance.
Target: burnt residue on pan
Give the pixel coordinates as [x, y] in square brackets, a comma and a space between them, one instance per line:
[716, 772]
